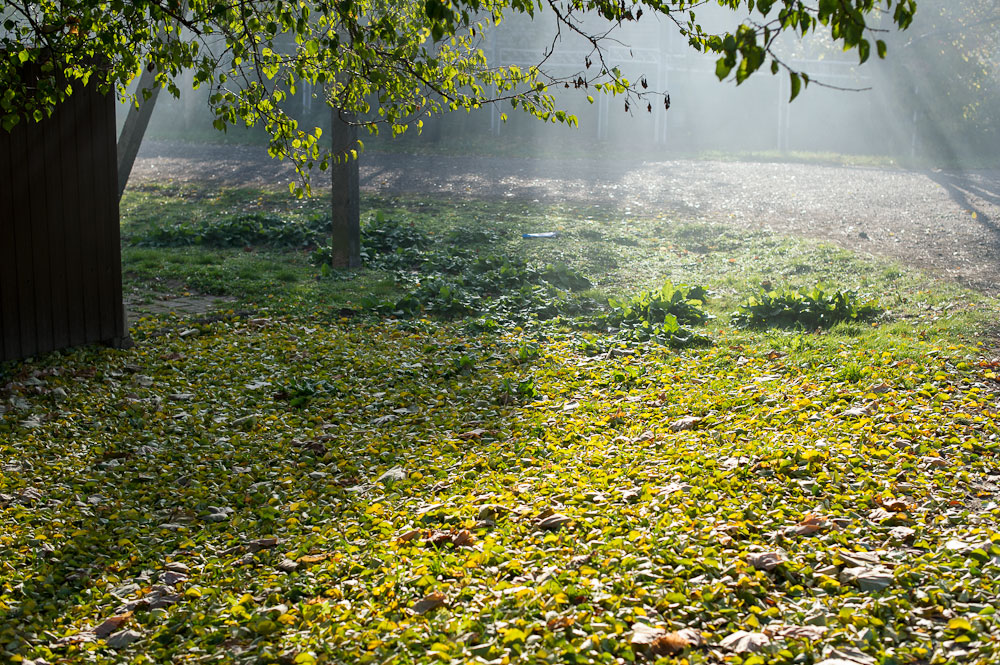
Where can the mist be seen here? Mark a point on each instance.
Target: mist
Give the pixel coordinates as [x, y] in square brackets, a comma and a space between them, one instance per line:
[932, 102]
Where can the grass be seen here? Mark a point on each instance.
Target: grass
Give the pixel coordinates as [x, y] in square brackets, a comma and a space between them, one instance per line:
[297, 479]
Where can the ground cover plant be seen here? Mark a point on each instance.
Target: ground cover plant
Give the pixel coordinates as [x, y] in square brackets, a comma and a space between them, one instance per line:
[299, 479]
[808, 310]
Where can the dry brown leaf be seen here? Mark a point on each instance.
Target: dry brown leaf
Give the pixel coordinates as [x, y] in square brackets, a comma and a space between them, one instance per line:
[644, 635]
[454, 538]
[867, 578]
[553, 522]
[428, 603]
[309, 559]
[287, 566]
[796, 632]
[671, 643]
[123, 638]
[742, 642]
[685, 423]
[810, 524]
[463, 538]
[901, 533]
[111, 624]
[317, 600]
[262, 544]
[559, 623]
[893, 505]
[408, 536]
[766, 561]
[439, 537]
[860, 411]
[78, 638]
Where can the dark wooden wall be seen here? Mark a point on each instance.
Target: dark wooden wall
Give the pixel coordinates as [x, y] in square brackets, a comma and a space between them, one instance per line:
[60, 252]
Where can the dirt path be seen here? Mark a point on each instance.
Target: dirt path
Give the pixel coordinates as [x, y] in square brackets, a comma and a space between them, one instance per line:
[947, 222]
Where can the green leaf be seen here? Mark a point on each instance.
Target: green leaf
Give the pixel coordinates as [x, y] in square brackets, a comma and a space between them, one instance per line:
[796, 84]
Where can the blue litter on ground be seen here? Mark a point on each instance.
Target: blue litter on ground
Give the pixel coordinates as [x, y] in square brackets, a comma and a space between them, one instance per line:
[547, 234]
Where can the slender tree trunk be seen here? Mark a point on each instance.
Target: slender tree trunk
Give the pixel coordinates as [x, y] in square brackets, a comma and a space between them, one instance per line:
[345, 198]
[135, 128]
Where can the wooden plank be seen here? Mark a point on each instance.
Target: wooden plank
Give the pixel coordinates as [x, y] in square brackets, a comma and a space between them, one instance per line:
[89, 244]
[106, 205]
[41, 235]
[72, 234]
[10, 332]
[54, 183]
[22, 219]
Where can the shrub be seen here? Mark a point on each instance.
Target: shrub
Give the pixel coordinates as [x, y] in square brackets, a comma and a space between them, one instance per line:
[253, 229]
[659, 316]
[682, 302]
[817, 308]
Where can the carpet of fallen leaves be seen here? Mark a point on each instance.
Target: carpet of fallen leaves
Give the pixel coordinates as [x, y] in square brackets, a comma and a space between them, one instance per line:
[312, 489]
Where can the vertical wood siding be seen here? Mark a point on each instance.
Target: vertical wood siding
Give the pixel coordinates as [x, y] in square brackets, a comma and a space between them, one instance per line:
[60, 254]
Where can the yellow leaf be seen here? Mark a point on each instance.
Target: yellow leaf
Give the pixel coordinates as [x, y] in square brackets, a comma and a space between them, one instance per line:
[958, 623]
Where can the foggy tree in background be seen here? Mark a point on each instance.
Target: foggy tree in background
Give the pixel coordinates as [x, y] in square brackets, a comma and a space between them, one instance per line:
[384, 64]
[948, 72]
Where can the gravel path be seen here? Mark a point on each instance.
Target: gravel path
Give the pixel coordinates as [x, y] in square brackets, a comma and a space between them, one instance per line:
[945, 221]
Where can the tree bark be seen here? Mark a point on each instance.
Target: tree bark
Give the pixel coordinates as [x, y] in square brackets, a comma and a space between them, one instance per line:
[345, 197]
[135, 128]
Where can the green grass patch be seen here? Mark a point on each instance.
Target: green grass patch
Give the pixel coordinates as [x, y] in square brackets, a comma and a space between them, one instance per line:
[296, 481]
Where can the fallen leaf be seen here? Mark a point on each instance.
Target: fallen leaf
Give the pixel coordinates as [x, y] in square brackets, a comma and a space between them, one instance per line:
[171, 577]
[796, 632]
[809, 525]
[743, 642]
[428, 603]
[559, 623]
[78, 638]
[685, 423]
[310, 559]
[408, 536]
[867, 578]
[766, 561]
[393, 475]
[462, 538]
[287, 566]
[262, 544]
[111, 624]
[860, 411]
[643, 634]
[123, 638]
[852, 656]
[675, 642]
[891, 504]
[901, 533]
[553, 522]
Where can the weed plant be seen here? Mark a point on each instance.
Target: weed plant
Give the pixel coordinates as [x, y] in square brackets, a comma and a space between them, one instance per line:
[819, 307]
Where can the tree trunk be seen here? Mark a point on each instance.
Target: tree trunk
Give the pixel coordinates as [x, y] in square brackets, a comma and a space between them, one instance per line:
[135, 127]
[345, 197]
